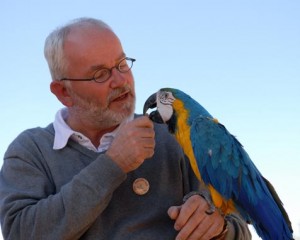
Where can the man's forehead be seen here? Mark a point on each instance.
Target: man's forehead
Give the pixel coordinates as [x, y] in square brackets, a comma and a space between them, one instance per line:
[89, 32]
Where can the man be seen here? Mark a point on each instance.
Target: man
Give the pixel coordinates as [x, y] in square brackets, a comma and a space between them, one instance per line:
[99, 172]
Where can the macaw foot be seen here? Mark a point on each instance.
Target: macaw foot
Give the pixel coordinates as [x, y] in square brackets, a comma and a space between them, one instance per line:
[211, 210]
[208, 199]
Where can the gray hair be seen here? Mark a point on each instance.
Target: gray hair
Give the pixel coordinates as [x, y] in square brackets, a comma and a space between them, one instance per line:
[53, 49]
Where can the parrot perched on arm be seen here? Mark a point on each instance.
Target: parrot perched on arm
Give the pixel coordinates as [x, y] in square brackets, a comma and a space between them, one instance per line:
[221, 163]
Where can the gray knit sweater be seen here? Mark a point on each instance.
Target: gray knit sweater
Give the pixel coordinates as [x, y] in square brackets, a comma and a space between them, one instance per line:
[75, 193]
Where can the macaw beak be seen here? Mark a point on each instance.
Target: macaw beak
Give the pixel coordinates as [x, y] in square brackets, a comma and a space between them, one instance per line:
[150, 104]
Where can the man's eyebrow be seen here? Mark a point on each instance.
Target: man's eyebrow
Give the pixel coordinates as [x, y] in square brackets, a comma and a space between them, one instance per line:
[97, 67]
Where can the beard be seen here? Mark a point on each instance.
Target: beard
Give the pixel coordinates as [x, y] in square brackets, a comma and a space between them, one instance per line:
[99, 115]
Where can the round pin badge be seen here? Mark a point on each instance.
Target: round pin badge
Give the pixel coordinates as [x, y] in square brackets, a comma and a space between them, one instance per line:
[141, 186]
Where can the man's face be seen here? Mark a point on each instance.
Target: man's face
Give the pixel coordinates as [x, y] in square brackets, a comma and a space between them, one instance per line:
[100, 104]
[100, 113]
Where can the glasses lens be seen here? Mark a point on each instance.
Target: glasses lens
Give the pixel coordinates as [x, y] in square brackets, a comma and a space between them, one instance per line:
[102, 75]
[125, 65]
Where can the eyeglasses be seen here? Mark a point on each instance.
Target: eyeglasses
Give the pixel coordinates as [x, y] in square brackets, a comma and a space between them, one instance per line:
[104, 74]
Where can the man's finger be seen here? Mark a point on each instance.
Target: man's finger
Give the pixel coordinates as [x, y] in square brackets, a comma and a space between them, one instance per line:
[173, 212]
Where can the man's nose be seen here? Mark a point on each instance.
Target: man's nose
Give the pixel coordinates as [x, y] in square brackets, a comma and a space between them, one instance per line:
[118, 79]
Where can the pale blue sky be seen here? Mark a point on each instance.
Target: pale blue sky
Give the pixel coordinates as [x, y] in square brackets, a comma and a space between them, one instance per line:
[239, 59]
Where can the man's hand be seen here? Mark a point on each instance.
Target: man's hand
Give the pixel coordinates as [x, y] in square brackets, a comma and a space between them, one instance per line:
[193, 223]
[133, 143]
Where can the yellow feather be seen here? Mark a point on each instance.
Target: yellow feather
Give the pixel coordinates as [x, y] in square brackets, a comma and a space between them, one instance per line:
[215, 120]
[183, 135]
[226, 207]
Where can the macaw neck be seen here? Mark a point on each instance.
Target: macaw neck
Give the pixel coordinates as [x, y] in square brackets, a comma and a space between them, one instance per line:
[182, 116]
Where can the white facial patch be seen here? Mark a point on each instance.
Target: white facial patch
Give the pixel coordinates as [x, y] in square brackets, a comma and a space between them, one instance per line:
[164, 102]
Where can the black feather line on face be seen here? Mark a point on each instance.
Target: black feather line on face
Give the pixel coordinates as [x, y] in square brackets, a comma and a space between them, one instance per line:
[172, 123]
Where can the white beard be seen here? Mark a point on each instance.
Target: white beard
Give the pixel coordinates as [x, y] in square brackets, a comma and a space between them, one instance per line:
[99, 116]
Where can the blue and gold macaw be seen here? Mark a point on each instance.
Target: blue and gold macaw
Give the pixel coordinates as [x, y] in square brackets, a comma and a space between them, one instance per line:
[220, 161]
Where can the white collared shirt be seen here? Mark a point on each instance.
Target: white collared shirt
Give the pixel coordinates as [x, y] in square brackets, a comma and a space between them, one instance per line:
[63, 132]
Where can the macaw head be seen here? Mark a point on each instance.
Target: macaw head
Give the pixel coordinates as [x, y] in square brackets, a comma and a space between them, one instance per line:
[170, 104]
[163, 102]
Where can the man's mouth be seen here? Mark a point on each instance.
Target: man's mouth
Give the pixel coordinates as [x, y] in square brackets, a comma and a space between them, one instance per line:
[121, 97]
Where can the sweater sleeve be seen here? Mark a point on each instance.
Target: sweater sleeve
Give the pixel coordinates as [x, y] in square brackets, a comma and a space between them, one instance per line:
[237, 228]
[31, 207]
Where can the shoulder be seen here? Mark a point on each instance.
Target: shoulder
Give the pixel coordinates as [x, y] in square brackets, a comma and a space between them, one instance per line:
[35, 134]
[30, 140]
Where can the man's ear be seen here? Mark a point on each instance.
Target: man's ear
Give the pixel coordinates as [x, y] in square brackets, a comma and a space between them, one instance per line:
[60, 91]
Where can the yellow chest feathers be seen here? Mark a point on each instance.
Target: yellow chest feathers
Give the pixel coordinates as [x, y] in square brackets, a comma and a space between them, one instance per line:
[182, 134]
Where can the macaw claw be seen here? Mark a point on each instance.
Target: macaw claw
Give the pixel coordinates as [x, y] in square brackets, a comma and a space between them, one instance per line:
[211, 209]
[208, 199]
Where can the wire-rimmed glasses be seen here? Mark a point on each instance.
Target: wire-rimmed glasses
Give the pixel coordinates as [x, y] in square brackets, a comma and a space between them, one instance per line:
[104, 74]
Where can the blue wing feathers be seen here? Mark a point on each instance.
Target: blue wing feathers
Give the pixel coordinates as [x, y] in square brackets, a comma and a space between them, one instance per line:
[218, 153]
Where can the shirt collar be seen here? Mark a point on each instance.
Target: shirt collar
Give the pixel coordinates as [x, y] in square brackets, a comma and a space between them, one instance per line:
[63, 132]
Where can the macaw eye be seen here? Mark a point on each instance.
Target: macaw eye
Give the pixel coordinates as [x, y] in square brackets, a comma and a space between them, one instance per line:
[166, 98]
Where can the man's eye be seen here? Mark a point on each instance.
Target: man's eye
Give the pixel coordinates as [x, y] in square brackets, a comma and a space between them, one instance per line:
[101, 73]
[123, 66]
